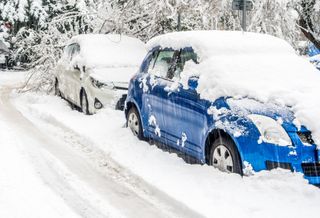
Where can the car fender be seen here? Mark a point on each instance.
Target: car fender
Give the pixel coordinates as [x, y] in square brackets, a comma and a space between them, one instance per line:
[132, 101]
[235, 140]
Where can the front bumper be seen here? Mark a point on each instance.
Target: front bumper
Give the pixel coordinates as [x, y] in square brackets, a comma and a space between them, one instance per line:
[108, 98]
[302, 158]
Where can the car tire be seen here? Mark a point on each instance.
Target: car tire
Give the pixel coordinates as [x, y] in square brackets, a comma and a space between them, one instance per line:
[134, 123]
[84, 103]
[225, 156]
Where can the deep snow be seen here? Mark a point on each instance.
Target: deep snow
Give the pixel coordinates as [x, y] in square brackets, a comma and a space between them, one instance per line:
[204, 189]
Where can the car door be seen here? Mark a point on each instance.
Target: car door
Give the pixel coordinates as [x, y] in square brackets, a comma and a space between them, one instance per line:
[63, 71]
[72, 75]
[155, 94]
[75, 75]
[180, 113]
[188, 119]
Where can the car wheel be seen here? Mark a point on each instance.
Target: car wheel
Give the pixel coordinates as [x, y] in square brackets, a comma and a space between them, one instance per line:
[84, 103]
[134, 122]
[56, 89]
[224, 156]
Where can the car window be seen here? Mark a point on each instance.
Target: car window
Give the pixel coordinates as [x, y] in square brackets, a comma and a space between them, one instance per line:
[183, 57]
[160, 64]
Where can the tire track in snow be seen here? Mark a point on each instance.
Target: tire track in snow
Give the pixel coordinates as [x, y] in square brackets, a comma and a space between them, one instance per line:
[114, 184]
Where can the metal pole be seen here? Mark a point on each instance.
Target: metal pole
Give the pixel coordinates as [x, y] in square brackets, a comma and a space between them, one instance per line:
[244, 18]
[179, 21]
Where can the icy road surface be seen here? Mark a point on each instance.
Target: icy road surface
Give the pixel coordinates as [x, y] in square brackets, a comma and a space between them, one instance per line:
[90, 166]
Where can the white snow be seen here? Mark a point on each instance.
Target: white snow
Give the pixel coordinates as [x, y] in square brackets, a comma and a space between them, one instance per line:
[208, 191]
[22, 191]
[252, 65]
[111, 50]
[114, 74]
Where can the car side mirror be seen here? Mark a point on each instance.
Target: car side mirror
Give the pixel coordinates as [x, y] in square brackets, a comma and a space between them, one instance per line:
[193, 82]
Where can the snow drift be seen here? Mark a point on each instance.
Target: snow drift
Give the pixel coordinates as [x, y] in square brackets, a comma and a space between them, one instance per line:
[252, 65]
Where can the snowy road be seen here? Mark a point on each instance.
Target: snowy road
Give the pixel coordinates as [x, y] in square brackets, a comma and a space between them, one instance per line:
[56, 162]
[89, 188]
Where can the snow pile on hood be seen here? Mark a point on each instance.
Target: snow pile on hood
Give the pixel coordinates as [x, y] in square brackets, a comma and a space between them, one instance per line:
[252, 65]
[112, 50]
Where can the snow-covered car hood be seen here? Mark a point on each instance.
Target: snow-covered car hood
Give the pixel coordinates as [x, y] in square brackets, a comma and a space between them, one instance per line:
[118, 76]
[281, 113]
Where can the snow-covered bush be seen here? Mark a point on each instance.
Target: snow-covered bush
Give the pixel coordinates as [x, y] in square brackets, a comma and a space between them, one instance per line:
[42, 26]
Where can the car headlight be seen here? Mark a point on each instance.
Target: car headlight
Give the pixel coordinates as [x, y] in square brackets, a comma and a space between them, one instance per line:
[100, 85]
[271, 131]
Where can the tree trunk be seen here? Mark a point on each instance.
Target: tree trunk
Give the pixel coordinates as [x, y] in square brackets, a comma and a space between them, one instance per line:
[305, 21]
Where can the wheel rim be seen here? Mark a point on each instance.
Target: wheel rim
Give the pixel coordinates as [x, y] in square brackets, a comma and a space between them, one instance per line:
[84, 104]
[133, 123]
[222, 159]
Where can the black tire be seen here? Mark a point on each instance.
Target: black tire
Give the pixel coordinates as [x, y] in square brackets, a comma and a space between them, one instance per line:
[57, 91]
[84, 103]
[134, 123]
[231, 151]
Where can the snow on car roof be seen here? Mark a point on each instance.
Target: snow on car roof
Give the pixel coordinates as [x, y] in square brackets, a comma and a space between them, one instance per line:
[101, 50]
[212, 43]
[252, 65]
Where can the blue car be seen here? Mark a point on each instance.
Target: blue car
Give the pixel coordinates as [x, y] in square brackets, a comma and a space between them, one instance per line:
[234, 134]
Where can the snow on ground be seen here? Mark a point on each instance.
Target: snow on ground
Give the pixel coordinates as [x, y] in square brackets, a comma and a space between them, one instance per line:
[278, 193]
[11, 77]
[33, 182]
[22, 191]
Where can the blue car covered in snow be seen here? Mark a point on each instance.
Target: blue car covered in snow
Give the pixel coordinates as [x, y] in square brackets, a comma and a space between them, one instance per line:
[217, 96]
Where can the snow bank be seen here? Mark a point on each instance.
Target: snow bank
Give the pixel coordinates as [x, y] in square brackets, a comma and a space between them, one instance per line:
[253, 65]
[98, 50]
[208, 191]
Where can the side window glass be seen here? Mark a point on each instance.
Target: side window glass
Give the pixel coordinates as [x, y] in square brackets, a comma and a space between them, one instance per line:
[162, 63]
[183, 58]
[151, 61]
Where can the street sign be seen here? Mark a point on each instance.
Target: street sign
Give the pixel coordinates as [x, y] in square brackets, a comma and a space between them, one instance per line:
[238, 5]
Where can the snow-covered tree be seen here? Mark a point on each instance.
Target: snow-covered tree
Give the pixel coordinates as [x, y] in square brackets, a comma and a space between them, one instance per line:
[309, 20]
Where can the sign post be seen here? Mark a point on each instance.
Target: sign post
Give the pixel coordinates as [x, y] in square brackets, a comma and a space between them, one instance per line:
[244, 6]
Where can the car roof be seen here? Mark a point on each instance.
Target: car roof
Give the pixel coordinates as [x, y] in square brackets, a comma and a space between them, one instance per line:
[109, 50]
[213, 42]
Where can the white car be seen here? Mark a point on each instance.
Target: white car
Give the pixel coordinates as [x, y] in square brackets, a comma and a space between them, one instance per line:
[95, 69]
